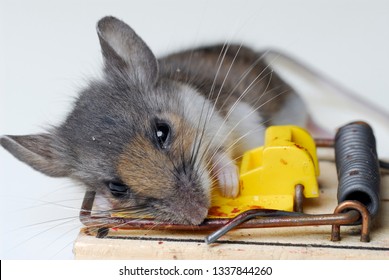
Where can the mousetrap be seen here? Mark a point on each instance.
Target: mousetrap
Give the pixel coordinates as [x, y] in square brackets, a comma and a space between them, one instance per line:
[284, 211]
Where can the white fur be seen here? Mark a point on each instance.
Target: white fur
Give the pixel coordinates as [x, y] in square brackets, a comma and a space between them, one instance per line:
[247, 128]
[218, 136]
[201, 113]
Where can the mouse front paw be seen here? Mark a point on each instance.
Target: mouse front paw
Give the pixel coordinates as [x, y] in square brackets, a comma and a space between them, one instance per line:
[227, 174]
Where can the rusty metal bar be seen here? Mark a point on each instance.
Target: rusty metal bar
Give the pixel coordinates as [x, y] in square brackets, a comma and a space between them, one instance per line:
[256, 218]
[298, 198]
[364, 213]
[324, 142]
[86, 207]
[336, 219]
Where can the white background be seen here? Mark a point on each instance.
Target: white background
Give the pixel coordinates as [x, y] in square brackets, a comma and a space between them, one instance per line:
[48, 49]
[280, 270]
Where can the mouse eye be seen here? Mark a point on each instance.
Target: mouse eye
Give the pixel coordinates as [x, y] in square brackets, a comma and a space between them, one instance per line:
[162, 131]
[117, 189]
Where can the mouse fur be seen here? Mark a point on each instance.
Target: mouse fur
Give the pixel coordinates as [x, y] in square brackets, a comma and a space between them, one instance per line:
[156, 135]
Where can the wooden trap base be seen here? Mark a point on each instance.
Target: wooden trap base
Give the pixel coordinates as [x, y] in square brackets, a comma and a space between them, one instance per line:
[312, 242]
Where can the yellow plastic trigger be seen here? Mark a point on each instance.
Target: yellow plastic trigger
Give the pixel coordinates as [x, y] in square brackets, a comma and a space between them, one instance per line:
[269, 174]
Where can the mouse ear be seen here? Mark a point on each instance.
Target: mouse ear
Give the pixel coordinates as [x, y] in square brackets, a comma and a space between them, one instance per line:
[124, 50]
[37, 151]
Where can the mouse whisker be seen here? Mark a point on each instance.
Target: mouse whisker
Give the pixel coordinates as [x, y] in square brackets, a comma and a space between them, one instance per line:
[260, 125]
[244, 76]
[209, 145]
[210, 110]
[245, 92]
[224, 80]
[65, 222]
[236, 141]
[38, 224]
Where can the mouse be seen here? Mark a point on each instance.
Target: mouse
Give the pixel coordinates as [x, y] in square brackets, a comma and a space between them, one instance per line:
[159, 135]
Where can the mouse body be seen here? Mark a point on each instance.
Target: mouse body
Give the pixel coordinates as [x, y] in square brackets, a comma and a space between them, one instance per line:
[156, 135]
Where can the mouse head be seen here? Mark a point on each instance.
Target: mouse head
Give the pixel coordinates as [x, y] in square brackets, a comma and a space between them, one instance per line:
[140, 141]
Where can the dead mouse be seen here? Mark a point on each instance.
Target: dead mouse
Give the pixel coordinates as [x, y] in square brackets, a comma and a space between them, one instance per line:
[156, 135]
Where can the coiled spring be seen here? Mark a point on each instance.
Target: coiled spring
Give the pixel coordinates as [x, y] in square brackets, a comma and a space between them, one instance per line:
[357, 165]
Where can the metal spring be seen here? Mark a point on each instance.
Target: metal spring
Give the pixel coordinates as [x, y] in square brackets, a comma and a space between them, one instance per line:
[357, 165]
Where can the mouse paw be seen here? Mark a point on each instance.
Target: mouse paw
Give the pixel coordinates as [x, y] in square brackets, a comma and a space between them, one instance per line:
[227, 174]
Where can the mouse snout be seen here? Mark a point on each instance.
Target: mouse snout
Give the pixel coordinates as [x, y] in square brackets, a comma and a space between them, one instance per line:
[191, 212]
[188, 204]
